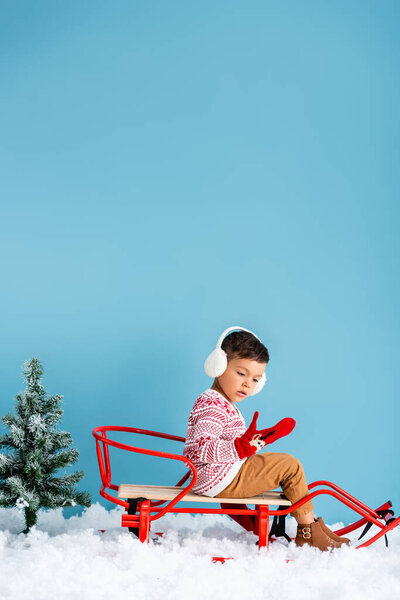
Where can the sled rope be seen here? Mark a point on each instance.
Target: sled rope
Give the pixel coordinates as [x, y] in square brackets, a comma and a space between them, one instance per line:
[278, 527]
[386, 514]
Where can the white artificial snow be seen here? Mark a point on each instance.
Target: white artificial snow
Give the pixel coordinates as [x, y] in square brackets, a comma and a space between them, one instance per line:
[69, 502]
[21, 503]
[71, 559]
[36, 424]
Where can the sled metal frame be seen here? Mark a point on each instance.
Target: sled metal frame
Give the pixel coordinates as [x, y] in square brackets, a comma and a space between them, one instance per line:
[143, 517]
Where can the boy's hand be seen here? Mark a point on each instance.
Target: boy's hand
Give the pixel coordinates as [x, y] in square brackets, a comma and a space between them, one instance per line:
[281, 429]
[252, 440]
[257, 442]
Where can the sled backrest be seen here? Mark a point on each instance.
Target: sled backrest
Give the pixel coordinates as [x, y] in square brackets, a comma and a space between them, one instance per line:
[102, 449]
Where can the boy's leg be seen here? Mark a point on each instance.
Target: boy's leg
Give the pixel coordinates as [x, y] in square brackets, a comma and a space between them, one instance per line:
[268, 471]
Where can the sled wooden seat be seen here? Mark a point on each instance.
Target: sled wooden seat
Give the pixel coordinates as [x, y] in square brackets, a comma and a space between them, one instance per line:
[157, 492]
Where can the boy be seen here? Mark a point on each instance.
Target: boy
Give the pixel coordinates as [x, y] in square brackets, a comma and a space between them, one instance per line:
[225, 452]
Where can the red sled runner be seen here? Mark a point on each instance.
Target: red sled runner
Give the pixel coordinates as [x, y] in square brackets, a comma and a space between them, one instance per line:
[144, 504]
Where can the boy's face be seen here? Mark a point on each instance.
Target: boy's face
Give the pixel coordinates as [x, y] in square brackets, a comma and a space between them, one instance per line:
[240, 378]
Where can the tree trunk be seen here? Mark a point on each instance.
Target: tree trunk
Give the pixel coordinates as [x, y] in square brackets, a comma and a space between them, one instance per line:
[30, 518]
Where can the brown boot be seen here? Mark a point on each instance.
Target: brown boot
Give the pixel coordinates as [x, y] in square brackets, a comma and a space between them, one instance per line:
[332, 534]
[313, 535]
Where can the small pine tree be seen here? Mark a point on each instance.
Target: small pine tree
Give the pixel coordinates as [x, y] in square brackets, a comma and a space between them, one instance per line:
[27, 475]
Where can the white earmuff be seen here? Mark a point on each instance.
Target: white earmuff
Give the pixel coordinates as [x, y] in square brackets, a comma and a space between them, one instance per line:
[216, 362]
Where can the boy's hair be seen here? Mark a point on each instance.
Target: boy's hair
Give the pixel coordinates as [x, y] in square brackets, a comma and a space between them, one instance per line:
[241, 344]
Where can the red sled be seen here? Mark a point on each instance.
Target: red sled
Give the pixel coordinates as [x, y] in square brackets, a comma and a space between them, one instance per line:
[144, 504]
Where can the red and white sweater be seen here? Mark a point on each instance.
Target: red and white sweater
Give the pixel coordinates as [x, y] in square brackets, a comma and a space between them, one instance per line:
[213, 425]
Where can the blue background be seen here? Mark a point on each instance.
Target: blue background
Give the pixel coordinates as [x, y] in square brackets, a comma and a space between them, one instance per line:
[169, 169]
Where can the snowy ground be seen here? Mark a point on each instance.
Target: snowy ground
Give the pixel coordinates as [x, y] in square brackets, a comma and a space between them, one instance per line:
[70, 559]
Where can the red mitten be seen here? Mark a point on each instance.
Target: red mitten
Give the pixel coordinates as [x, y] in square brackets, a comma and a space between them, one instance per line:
[279, 430]
[250, 441]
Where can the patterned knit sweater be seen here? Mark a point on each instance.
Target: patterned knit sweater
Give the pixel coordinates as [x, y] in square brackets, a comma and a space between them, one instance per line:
[213, 425]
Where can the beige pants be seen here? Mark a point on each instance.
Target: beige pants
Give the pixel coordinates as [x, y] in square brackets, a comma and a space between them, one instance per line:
[267, 471]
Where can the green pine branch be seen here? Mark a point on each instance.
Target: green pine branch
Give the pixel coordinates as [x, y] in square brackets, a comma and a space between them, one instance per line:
[63, 482]
[62, 459]
[6, 441]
